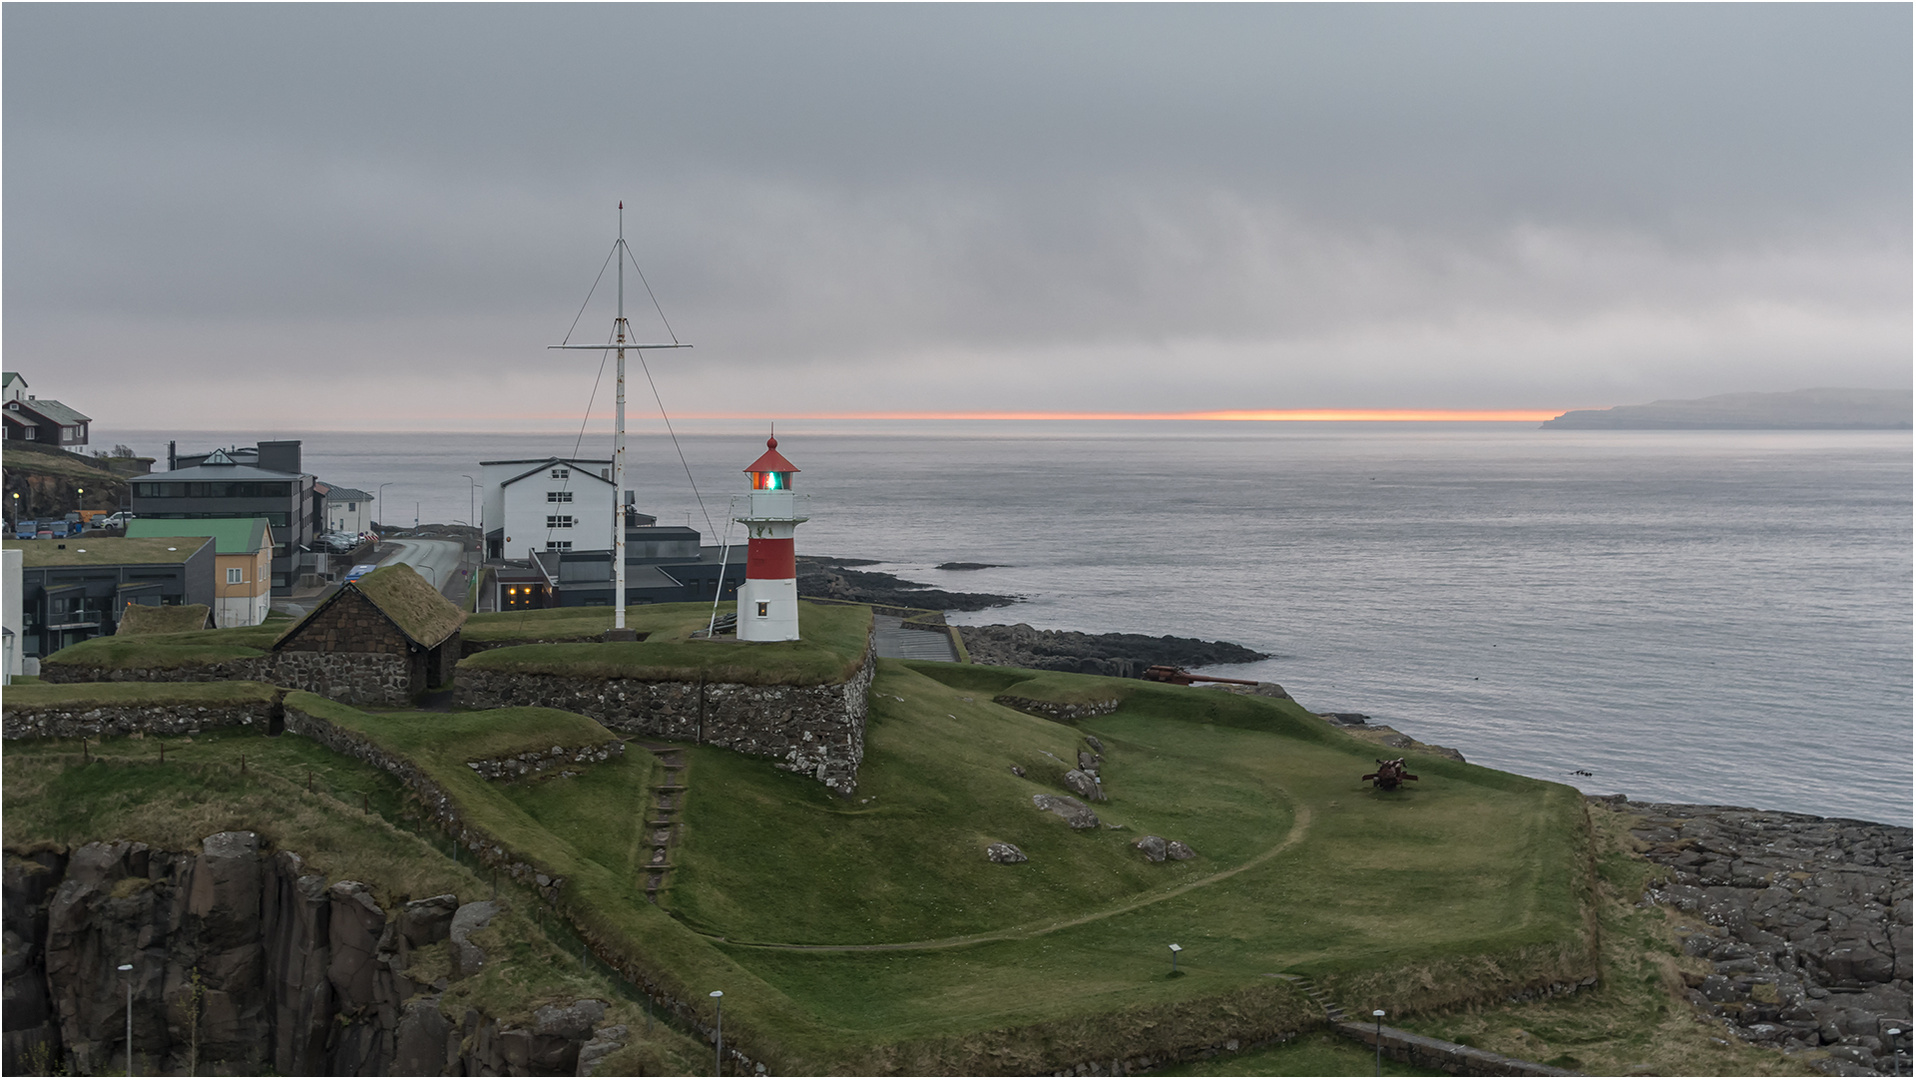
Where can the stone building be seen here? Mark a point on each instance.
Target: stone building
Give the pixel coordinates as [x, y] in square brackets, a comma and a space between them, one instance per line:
[391, 626]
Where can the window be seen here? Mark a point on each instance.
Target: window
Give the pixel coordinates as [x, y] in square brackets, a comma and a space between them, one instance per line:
[235, 576]
[558, 496]
[352, 506]
[562, 474]
[558, 521]
[764, 608]
[561, 545]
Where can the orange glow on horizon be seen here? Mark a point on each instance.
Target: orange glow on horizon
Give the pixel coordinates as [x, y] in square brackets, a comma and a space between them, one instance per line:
[1229, 415]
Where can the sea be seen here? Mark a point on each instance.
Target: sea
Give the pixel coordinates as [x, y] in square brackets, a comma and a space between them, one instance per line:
[1687, 616]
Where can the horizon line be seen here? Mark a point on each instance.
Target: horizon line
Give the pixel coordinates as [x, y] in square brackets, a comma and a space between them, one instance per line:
[1224, 415]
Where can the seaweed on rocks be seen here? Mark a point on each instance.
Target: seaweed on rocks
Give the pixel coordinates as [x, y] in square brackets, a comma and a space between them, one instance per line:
[833, 579]
[1123, 655]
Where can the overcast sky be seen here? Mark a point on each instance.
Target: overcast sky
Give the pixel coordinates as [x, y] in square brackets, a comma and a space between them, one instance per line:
[379, 215]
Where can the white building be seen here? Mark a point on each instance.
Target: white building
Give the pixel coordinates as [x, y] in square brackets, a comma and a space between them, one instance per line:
[541, 504]
[348, 510]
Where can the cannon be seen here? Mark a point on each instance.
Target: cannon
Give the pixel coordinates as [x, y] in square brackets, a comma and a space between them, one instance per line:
[1176, 675]
[1389, 774]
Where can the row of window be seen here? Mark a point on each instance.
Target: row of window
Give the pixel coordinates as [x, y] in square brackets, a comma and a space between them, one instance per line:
[558, 521]
[221, 489]
[558, 496]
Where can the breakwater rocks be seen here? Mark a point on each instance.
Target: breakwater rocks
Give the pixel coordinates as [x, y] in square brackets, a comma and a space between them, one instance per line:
[1123, 655]
[833, 579]
[245, 962]
[1806, 921]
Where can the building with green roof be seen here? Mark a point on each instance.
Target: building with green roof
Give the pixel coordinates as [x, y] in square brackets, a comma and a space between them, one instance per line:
[243, 562]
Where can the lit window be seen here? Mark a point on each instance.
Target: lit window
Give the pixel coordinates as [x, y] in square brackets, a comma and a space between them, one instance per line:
[764, 608]
[235, 576]
[558, 521]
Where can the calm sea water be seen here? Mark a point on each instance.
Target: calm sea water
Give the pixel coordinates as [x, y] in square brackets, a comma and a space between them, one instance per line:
[1687, 616]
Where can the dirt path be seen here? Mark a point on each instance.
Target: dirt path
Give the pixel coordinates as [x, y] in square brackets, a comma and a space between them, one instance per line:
[1299, 826]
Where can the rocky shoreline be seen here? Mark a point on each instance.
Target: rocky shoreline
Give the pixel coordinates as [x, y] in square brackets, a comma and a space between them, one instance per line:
[1805, 920]
[1122, 655]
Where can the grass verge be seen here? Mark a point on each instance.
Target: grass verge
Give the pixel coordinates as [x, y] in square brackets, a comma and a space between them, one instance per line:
[90, 695]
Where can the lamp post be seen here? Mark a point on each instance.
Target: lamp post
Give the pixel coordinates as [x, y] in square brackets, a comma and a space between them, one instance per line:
[1377, 1015]
[472, 503]
[1895, 1055]
[718, 1034]
[16, 511]
[379, 499]
[127, 970]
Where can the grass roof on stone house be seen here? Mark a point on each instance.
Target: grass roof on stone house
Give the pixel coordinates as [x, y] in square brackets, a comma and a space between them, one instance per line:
[410, 601]
[171, 619]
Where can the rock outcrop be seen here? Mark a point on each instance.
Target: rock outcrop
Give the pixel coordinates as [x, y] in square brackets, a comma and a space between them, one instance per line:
[1122, 655]
[243, 961]
[1806, 921]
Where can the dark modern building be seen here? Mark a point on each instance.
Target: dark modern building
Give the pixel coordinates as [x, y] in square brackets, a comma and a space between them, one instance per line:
[663, 564]
[75, 589]
[220, 485]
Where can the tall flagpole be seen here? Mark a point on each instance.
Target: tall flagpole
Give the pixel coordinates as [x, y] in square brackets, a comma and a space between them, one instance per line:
[618, 455]
[621, 342]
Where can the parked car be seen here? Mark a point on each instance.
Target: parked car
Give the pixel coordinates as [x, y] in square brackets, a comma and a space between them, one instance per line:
[340, 543]
[117, 520]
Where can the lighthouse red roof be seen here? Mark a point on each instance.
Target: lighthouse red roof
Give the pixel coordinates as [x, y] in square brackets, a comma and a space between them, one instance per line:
[771, 460]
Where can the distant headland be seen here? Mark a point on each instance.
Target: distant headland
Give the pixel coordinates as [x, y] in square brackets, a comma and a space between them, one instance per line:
[1826, 408]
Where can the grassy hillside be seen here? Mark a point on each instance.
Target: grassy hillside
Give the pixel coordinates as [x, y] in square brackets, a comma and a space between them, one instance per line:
[175, 650]
[870, 933]
[833, 647]
[301, 797]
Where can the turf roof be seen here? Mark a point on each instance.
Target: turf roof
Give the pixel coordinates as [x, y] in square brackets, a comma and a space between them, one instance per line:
[409, 600]
[231, 536]
[170, 619]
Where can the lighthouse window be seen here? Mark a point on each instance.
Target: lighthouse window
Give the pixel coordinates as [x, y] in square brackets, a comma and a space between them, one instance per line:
[764, 608]
[772, 481]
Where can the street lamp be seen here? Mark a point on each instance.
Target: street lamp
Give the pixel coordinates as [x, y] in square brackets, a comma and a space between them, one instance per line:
[379, 498]
[472, 503]
[1175, 950]
[1377, 1015]
[718, 1034]
[1895, 1055]
[127, 969]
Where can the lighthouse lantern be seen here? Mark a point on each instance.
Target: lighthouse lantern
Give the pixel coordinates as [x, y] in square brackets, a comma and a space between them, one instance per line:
[768, 601]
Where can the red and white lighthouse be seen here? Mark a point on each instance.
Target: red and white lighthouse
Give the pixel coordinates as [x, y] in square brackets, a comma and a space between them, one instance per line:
[768, 601]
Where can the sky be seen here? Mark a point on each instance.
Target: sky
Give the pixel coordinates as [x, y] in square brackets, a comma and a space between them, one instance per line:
[377, 217]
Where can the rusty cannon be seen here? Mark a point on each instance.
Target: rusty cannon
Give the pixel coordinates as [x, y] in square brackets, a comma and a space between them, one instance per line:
[1389, 774]
[1165, 673]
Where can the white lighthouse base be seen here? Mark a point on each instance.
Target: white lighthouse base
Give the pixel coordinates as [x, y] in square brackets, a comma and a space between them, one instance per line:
[768, 609]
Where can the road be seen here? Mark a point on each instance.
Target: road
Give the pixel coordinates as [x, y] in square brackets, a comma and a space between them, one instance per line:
[436, 560]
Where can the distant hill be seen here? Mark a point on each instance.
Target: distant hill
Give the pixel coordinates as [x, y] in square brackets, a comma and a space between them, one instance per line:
[1800, 409]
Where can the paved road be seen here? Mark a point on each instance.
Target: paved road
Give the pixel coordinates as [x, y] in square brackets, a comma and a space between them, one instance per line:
[436, 560]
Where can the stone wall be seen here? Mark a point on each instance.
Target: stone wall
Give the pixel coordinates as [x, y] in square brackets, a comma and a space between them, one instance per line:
[353, 678]
[73, 722]
[533, 762]
[818, 731]
[1057, 710]
[295, 976]
[350, 623]
[1453, 1058]
[439, 805]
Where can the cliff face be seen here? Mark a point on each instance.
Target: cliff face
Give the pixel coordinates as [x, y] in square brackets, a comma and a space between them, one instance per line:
[248, 963]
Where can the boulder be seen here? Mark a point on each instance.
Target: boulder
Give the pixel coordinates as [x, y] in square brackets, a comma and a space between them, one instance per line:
[1081, 784]
[1153, 847]
[425, 922]
[1096, 746]
[1075, 814]
[1088, 761]
[1004, 853]
[1176, 849]
[468, 958]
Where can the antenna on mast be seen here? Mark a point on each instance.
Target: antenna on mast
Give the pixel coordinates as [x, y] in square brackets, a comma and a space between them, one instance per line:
[621, 343]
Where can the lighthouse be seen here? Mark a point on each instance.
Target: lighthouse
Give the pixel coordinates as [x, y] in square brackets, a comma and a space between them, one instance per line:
[768, 601]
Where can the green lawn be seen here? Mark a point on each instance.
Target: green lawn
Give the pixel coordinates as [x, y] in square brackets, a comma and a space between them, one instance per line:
[831, 650]
[673, 622]
[175, 650]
